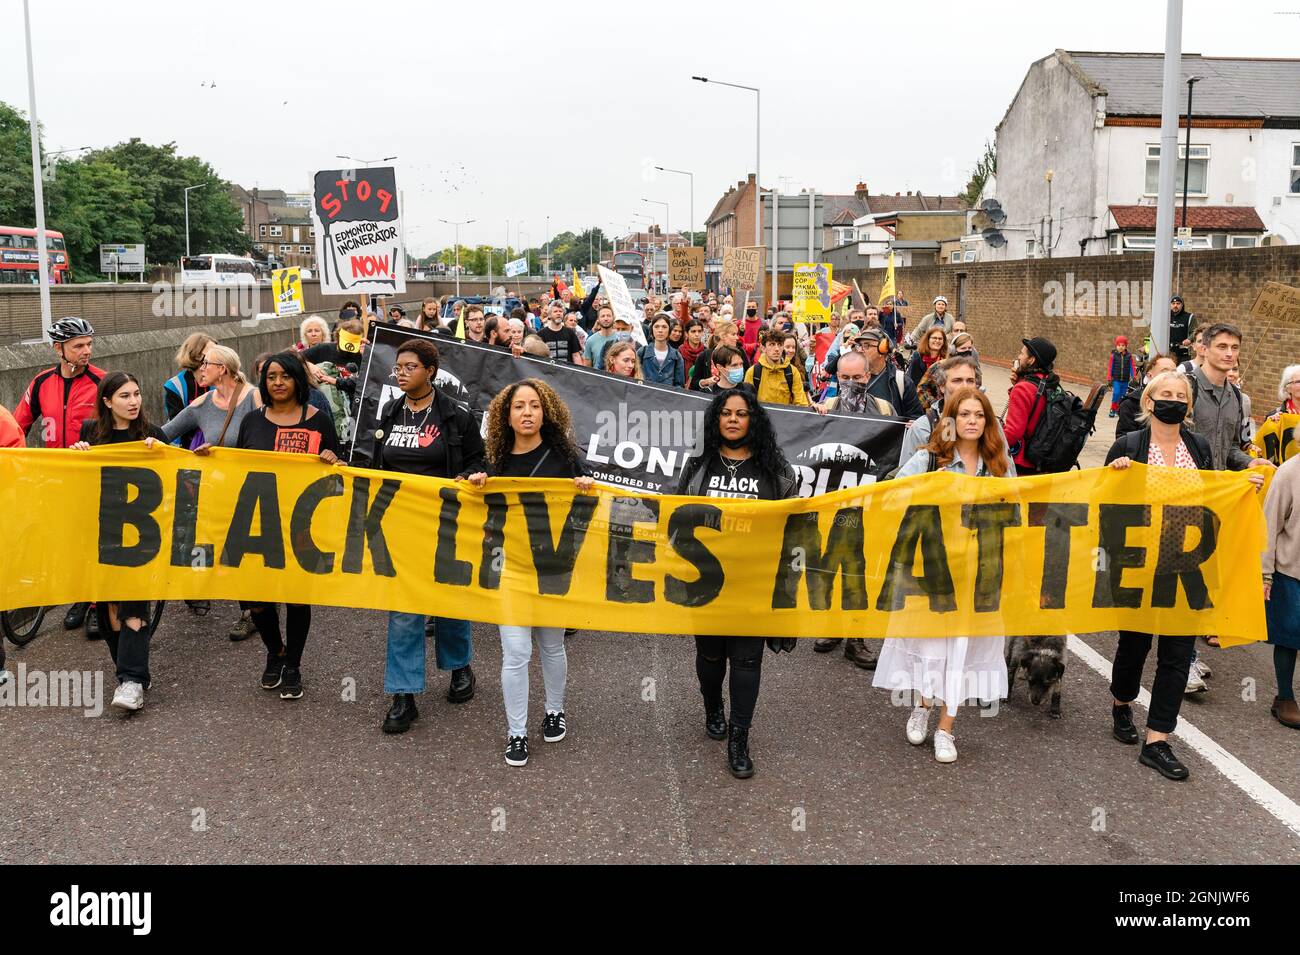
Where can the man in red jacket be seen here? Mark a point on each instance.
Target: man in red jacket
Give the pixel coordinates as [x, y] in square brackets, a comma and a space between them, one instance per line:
[1031, 369]
[62, 397]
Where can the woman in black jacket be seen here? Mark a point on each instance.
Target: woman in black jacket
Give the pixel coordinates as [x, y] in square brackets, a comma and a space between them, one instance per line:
[530, 435]
[740, 459]
[1164, 443]
[1130, 406]
[425, 432]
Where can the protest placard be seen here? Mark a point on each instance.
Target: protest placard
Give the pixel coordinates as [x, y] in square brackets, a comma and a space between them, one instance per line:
[812, 292]
[742, 267]
[286, 291]
[358, 231]
[686, 267]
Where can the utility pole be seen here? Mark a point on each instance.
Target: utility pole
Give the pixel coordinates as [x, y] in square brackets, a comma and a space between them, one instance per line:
[1163, 266]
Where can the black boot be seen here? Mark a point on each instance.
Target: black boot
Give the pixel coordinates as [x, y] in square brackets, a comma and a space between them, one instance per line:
[715, 720]
[738, 761]
[1122, 718]
[401, 714]
[92, 624]
[825, 644]
[76, 616]
[462, 685]
[859, 654]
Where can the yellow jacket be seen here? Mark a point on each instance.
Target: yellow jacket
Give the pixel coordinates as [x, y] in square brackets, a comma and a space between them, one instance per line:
[773, 384]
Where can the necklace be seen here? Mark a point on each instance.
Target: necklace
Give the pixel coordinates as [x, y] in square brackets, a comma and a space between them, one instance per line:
[410, 415]
[731, 468]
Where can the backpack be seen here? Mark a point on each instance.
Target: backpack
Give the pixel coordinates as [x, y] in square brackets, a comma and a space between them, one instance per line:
[758, 378]
[1063, 427]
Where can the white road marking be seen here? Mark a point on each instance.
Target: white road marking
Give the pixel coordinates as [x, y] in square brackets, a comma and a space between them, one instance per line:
[1242, 776]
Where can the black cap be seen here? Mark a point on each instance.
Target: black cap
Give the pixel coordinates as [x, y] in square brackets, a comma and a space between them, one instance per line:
[1176, 298]
[1044, 352]
[398, 309]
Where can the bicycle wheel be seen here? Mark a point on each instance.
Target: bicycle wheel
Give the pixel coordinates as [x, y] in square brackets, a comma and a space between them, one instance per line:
[155, 615]
[22, 624]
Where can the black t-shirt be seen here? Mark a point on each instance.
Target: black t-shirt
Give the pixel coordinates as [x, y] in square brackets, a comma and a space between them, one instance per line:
[541, 462]
[312, 435]
[746, 480]
[415, 444]
[330, 351]
[119, 435]
[564, 344]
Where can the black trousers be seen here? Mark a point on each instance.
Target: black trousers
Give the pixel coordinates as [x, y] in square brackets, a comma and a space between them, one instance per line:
[1173, 660]
[297, 622]
[746, 656]
[129, 648]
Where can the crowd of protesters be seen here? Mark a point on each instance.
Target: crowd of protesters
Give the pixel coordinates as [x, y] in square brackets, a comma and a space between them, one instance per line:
[1179, 414]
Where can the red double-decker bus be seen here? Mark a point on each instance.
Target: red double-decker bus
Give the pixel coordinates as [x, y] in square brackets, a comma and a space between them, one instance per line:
[20, 257]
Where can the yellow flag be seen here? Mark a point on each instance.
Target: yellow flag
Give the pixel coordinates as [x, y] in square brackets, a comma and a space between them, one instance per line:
[460, 325]
[887, 290]
[578, 290]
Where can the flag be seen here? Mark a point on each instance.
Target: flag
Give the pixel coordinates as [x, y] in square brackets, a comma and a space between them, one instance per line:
[887, 290]
[578, 290]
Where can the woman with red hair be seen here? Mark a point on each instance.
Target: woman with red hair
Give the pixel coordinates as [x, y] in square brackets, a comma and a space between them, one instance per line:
[953, 670]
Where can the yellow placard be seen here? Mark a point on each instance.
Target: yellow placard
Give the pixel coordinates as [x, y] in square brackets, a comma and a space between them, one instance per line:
[812, 292]
[286, 291]
[935, 555]
[1276, 439]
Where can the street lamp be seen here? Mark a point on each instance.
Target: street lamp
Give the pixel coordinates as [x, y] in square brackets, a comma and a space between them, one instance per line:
[691, 175]
[188, 190]
[1187, 159]
[758, 178]
[457, 240]
[668, 219]
[42, 253]
[366, 162]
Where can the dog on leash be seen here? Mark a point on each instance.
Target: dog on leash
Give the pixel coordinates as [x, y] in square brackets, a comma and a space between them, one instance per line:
[1043, 660]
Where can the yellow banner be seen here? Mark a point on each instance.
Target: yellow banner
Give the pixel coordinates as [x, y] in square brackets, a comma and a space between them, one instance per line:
[1276, 439]
[1155, 550]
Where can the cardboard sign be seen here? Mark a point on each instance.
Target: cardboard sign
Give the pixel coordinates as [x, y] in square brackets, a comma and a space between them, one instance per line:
[1277, 302]
[620, 299]
[358, 231]
[812, 292]
[686, 267]
[516, 267]
[742, 267]
[286, 291]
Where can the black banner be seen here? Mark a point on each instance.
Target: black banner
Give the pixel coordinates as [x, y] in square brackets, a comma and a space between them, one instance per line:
[635, 435]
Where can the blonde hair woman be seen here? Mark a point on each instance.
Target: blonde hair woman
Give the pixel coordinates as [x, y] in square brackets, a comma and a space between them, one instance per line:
[621, 360]
[183, 387]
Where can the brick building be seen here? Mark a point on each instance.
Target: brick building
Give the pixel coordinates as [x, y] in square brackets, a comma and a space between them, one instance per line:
[279, 226]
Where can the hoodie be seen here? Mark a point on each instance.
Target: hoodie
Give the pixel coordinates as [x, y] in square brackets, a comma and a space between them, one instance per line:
[773, 386]
[749, 329]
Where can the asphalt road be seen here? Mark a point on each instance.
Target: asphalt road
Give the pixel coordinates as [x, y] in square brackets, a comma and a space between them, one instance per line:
[217, 770]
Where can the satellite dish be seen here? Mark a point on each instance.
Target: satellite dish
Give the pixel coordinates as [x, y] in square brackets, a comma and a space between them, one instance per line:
[995, 240]
[988, 205]
[997, 216]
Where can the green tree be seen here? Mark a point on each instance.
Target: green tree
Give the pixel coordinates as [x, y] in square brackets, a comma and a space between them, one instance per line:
[987, 166]
[17, 202]
[93, 202]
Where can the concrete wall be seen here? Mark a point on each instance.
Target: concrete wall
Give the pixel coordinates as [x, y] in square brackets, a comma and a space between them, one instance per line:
[1008, 301]
[115, 309]
[147, 355]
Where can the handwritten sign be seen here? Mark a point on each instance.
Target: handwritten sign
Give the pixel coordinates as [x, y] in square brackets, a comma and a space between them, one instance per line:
[686, 267]
[358, 231]
[742, 267]
[620, 300]
[1277, 302]
[516, 267]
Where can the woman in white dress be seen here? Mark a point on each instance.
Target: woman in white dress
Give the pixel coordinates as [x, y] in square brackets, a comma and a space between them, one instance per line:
[950, 670]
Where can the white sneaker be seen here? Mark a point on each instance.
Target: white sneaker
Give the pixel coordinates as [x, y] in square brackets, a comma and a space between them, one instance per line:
[918, 725]
[129, 696]
[4, 677]
[1194, 682]
[945, 747]
[1202, 668]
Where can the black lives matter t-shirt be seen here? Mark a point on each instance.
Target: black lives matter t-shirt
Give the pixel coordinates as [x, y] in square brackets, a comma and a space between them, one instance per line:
[312, 435]
[564, 343]
[415, 444]
[745, 480]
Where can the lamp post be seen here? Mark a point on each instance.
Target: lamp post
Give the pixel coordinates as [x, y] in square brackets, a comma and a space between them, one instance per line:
[188, 190]
[42, 253]
[367, 162]
[457, 241]
[691, 176]
[758, 172]
[1162, 271]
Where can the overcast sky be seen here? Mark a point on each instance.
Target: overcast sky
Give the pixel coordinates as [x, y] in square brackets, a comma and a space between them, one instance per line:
[509, 111]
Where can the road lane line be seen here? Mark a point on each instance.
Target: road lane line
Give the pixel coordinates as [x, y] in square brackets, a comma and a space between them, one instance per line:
[1242, 776]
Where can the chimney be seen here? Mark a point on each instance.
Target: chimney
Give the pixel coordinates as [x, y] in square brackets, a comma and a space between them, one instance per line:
[909, 192]
[860, 190]
[898, 193]
[750, 178]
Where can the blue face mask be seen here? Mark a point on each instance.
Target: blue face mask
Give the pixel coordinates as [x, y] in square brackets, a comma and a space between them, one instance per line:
[622, 336]
[735, 375]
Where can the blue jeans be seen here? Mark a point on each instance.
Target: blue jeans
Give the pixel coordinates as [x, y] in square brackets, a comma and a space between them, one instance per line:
[404, 672]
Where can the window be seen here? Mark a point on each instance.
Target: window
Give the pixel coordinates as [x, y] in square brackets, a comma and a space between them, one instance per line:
[305, 249]
[286, 249]
[955, 256]
[277, 231]
[969, 256]
[1197, 175]
[257, 246]
[1295, 169]
[261, 230]
[1031, 248]
[1242, 241]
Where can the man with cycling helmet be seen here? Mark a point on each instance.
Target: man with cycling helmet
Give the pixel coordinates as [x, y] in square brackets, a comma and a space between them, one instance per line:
[60, 398]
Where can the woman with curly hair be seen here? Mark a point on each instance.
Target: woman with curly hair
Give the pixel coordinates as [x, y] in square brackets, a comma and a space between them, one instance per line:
[950, 669]
[530, 435]
[621, 360]
[740, 459]
[930, 349]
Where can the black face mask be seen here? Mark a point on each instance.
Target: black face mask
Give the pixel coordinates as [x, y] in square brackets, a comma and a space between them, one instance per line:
[1170, 412]
[751, 312]
[733, 444]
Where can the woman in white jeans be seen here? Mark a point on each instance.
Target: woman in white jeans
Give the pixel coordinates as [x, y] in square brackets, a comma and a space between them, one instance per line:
[950, 669]
[530, 435]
